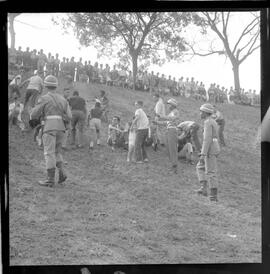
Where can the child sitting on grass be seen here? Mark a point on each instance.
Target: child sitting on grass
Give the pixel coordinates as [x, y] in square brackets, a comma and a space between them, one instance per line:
[115, 134]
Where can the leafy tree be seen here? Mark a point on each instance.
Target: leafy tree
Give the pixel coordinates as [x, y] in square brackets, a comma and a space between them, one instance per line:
[237, 51]
[11, 17]
[145, 37]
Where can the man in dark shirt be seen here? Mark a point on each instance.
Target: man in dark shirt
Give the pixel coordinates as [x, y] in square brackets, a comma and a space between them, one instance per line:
[94, 123]
[104, 105]
[78, 109]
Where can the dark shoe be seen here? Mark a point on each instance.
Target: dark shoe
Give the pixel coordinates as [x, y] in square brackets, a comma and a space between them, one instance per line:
[46, 183]
[62, 176]
[50, 178]
[213, 195]
[203, 190]
[174, 169]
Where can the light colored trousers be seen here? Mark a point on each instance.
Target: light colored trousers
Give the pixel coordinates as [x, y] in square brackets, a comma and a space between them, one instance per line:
[161, 134]
[52, 143]
[171, 144]
[186, 151]
[207, 171]
[95, 127]
[65, 138]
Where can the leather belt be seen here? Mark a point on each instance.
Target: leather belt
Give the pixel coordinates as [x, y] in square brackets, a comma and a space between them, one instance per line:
[49, 117]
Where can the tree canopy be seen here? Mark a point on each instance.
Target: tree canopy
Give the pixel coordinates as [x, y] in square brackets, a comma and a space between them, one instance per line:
[145, 37]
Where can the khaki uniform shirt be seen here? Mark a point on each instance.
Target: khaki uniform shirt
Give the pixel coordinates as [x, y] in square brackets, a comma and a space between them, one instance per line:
[210, 144]
[47, 109]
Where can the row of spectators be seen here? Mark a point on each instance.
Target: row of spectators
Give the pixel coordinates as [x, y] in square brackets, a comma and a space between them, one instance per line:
[122, 77]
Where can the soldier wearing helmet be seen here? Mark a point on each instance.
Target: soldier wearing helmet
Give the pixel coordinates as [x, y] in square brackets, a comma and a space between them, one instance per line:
[171, 121]
[54, 109]
[207, 165]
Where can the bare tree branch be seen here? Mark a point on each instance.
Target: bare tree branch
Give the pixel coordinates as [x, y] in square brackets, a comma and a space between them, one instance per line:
[210, 52]
[253, 38]
[250, 51]
[245, 32]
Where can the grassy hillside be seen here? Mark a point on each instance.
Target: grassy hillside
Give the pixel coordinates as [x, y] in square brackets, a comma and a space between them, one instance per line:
[113, 212]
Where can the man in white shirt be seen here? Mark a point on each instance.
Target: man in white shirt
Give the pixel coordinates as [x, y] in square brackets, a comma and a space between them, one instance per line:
[160, 111]
[142, 124]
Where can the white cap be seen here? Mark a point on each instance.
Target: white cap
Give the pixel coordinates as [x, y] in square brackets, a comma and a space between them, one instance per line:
[208, 108]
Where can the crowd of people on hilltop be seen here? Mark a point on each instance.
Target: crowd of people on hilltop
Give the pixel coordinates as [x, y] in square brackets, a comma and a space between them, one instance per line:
[122, 77]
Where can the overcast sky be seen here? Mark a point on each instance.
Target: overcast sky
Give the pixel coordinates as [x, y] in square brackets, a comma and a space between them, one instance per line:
[37, 31]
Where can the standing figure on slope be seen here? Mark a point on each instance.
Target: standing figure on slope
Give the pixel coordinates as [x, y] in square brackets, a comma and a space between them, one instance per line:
[53, 108]
[207, 165]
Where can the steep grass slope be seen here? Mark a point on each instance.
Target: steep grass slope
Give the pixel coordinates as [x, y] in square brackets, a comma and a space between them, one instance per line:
[112, 212]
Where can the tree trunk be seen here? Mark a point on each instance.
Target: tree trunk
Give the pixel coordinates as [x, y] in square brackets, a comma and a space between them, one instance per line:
[11, 30]
[236, 77]
[134, 68]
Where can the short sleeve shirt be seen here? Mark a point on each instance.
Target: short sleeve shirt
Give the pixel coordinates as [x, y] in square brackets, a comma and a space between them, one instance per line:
[142, 122]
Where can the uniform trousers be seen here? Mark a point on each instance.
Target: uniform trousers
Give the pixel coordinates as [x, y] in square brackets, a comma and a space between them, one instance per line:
[52, 144]
[207, 170]
[171, 144]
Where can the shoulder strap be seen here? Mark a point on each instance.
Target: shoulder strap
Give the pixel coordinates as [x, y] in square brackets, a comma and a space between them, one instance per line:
[57, 105]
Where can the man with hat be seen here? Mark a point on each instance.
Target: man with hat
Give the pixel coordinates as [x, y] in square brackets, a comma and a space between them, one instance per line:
[207, 165]
[54, 109]
[171, 121]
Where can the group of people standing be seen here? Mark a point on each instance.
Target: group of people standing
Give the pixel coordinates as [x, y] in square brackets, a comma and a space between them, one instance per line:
[167, 131]
[55, 112]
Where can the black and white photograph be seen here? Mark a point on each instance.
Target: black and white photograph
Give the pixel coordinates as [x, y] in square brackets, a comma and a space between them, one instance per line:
[134, 138]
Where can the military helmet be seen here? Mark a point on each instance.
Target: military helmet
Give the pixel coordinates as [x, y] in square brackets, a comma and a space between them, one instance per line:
[50, 81]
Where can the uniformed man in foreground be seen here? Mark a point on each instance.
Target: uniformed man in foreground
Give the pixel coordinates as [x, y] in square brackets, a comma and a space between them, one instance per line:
[54, 109]
[207, 165]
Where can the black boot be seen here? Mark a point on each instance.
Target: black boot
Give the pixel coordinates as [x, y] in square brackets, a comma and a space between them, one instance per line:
[62, 175]
[213, 194]
[50, 178]
[203, 189]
